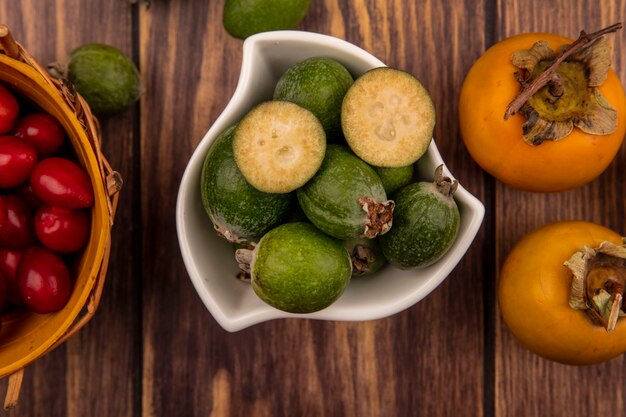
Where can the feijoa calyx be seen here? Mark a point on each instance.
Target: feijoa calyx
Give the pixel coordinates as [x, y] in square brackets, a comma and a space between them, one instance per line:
[426, 222]
[366, 255]
[346, 199]
[297, 268]
[106, 78]
[239, 212]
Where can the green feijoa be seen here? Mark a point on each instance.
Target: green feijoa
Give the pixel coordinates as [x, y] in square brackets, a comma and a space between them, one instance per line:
[239, 211]
[395, 178]
[346, 199]
[366, 254]
[425, 223]
[297, 268]
[243, 18]
[106, 78]
[318, 84]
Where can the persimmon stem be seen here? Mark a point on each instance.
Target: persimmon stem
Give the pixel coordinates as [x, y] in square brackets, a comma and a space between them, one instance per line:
[550, 76]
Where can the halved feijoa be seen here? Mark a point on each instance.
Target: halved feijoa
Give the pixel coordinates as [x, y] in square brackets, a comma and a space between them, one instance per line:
[239, 211]
[366, 254]
[346, 199]
[297, 268]
[279, 146]
[388, 118]
[395, 178]
[425, 223]
[318, 84]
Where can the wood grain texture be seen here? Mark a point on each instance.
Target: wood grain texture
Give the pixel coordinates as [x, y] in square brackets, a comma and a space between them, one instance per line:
[416, 363]
[550, 388]
[92, 373]
[153, 349]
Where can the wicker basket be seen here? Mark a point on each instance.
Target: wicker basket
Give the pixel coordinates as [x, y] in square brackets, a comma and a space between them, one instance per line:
[25, 336]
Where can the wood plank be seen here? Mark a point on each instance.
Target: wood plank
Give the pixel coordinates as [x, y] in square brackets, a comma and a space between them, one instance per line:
[415, 362]
[527, 385]
[91, 374]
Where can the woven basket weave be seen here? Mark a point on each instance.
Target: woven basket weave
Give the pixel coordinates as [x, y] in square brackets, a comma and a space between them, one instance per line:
[27, 336]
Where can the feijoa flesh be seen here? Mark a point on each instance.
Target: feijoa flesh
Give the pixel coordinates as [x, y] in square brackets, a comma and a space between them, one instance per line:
[387, 117]
[278, 146]
[239, 212]
[318, 84]
[346, 199]
[426, 222]
[106, 78]
[297, 268]
[243, 18]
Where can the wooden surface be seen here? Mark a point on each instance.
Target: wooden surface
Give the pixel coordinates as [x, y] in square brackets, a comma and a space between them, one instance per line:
[153, 349]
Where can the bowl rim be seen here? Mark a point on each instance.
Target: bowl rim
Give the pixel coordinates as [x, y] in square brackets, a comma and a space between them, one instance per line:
[232, 324]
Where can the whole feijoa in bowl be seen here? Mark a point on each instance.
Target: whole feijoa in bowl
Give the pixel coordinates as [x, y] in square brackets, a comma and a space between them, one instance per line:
[209, 258]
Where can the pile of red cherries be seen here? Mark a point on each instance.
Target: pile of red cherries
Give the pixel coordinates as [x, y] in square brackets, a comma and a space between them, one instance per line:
[44, 197]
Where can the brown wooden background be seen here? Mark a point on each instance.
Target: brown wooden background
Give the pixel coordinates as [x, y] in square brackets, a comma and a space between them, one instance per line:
[154, 350]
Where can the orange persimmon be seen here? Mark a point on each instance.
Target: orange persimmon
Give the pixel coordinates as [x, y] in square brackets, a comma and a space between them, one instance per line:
[536, 293]
[498, 145]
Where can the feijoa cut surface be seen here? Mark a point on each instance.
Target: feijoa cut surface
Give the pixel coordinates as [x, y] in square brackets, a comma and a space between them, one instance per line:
[388, 117]
[346, 199]
[426, 222]
[278, 146]
[239, 212]
[298, 269]
[318, 84]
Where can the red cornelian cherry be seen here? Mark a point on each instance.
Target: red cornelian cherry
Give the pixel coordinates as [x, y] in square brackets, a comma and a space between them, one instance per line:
[43, 280]
[17, 160]
[17, 231]
[61, 182]
[9, 260]
[9, 110]
[42, 131]
[60, 229]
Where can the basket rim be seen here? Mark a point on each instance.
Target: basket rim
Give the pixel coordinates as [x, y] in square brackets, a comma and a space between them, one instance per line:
[103, 227]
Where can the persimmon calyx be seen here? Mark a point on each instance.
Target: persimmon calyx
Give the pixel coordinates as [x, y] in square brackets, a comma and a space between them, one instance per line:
[560, 89]
[599, 279]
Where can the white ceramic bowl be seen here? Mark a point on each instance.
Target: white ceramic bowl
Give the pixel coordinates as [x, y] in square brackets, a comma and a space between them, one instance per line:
[210, 260]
